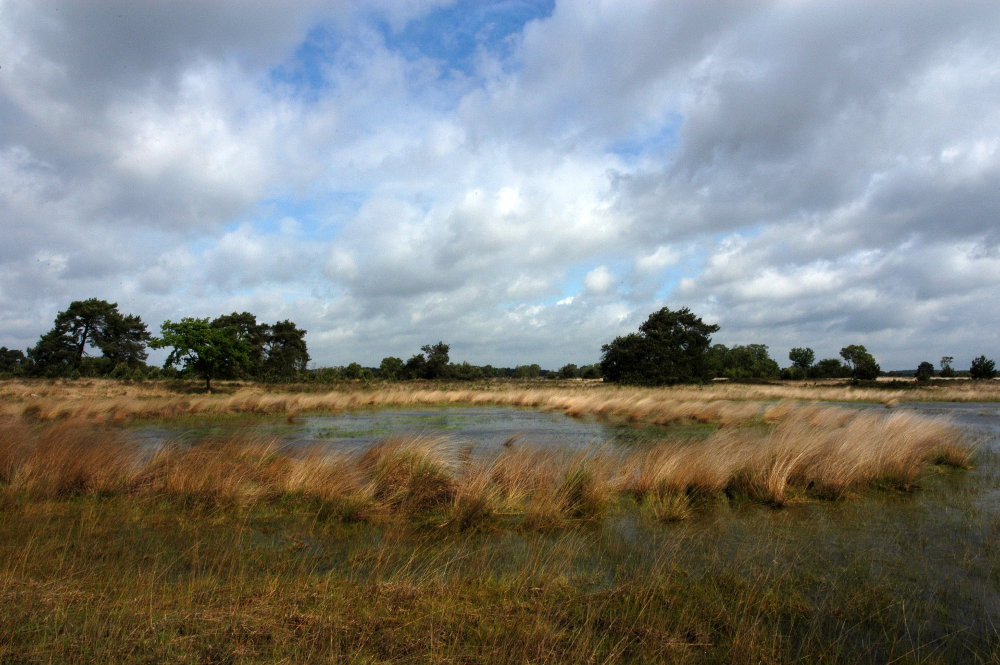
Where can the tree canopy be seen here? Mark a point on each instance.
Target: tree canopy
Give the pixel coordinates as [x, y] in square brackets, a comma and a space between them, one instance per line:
[750, 361]
[669, 348]
[209, 351]
[982, 368]
[802, 358]
[88, 324]
[276, 352]
[862, 364]
[925, 371]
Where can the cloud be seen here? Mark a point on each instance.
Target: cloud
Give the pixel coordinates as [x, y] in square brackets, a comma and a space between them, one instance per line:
[523, 181]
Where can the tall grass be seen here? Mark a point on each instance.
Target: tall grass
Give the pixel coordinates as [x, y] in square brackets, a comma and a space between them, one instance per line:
[726, 404]
[239, 548]
[811, 452]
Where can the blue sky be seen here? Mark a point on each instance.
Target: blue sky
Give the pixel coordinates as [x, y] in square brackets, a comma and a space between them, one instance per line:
[523, 180]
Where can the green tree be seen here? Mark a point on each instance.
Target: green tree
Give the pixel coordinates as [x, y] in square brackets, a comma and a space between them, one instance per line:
[569, 371]
[829, 368]
[751, 361]
[211, 352]
[669, 348]
[124, 340]
[254, 334]
[391, 368]
[802, 357]
[285, 353]
[464, 371]
[415, 367]
[90, 323]
[355, 372]
[435, 360]
[532, 371]
[947, 371]
[982, 368]
[861, 363]
[925, 371]
[12, 361]
[716, 359]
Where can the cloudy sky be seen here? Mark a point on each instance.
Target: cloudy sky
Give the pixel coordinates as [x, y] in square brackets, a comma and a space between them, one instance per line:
[522, 179]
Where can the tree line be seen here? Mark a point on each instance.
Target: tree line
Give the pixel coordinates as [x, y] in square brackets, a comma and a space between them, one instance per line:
[93, 338]
[673, 347]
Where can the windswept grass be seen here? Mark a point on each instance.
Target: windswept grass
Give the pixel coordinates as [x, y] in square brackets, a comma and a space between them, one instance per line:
[238, 548]
[725, 404]
[810, 452]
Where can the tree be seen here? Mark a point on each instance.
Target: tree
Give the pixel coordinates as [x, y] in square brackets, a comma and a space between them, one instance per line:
[669, 348]
[391, 368]
[982, 368]
[12, 361]
[802, 357]
[415, 367]
[435, 360]
[716, 358]
[248, 330]
[862, 364]
[532, 371]
[124, 341]
[464, 371]
[285, 352]
[829, 368]
[209, 351]
[947, 370]
[925, 371]
[90, 323]
[750, 362]
[569, 371]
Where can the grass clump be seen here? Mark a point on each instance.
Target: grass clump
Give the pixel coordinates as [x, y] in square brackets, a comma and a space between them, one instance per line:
[412, 474]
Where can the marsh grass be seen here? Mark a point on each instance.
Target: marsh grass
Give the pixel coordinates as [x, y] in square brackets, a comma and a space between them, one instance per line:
[810, 452]
[237, 548]
[115, 579]
[718, 404]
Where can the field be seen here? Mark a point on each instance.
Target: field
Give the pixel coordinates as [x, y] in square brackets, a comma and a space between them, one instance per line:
[744, 523]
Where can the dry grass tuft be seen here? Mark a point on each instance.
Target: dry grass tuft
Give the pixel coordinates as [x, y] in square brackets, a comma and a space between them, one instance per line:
[64, 459]
[415, 474]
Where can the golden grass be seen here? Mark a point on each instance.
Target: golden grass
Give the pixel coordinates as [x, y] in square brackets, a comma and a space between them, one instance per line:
[825, 452]
[104, 401]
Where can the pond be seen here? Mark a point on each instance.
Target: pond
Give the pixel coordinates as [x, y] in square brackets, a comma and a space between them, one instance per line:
[487, 428]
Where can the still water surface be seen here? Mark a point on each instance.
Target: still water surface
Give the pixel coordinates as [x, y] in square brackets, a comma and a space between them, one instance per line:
[489, 427]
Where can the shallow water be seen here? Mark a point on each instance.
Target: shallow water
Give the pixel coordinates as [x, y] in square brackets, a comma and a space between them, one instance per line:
[981, 419]
[487, 428]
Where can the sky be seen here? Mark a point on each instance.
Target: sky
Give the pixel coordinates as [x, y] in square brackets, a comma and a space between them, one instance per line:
[524, 180]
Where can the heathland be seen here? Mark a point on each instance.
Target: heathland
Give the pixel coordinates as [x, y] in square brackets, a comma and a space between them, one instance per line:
[741, 523]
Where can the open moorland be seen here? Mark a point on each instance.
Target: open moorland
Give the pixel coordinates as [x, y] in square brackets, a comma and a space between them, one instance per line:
[739, 523]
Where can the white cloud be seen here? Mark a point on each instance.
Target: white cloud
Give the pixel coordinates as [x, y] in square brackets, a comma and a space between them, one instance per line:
[802, 173]
[599, 280]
